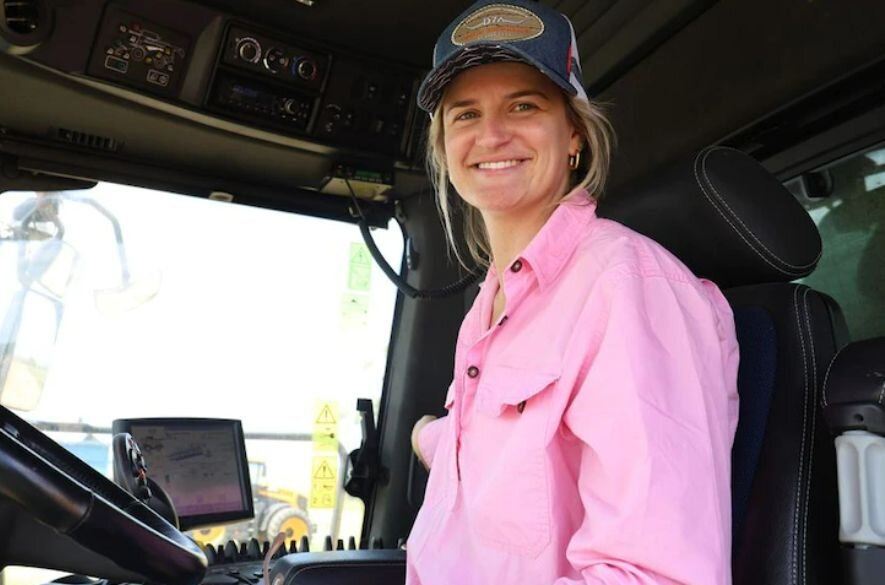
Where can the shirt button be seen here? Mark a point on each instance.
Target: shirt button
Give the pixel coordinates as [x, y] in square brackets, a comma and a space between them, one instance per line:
[472, 372]
[516, 266]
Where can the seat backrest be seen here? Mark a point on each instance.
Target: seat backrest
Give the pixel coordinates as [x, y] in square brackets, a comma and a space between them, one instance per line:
[730, 221]
[785, 522]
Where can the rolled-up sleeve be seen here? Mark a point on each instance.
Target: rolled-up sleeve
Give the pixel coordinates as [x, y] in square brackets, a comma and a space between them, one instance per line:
[655, 410]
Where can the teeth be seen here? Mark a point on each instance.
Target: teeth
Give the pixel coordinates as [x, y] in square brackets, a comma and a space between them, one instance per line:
[500, 164]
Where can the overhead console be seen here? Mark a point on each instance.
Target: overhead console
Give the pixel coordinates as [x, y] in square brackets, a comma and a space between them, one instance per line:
[268, 82]
[205, 65]
[292, 87]
[133, 51]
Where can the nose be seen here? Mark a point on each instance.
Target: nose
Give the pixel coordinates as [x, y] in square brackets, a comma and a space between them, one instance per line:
[492, 131]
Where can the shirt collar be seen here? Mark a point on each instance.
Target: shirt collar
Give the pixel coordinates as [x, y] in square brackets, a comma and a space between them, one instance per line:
[554, 244]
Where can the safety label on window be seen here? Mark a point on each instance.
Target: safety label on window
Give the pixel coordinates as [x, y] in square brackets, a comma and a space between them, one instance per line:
[324, 481]
[325, 427]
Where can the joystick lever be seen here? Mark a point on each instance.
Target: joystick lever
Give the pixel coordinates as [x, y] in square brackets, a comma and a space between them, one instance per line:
[365, 465]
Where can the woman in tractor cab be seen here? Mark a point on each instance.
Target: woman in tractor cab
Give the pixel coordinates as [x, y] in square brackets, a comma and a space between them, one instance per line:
[594, 401]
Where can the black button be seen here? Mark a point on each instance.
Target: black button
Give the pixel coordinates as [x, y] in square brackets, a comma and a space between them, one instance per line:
[516, 266]
[472, 372]
[503, 320]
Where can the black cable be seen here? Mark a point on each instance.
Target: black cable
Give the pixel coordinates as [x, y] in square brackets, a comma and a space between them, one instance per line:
[396, 279]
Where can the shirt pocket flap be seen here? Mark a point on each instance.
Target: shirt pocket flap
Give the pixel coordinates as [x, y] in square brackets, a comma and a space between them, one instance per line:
[503, 386]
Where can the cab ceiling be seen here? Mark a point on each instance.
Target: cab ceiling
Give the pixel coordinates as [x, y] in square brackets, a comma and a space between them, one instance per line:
[610, 34]
[676, 75]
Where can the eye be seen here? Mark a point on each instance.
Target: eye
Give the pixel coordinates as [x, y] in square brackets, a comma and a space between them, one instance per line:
[525, 107]
[466, 115]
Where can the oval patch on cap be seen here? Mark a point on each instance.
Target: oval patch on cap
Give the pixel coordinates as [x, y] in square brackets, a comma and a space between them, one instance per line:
[498, 23]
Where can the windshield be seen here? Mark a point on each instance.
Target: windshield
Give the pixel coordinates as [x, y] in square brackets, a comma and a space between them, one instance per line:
[135, 303]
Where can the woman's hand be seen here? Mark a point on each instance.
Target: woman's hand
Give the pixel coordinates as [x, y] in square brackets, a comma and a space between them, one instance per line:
[416, 431]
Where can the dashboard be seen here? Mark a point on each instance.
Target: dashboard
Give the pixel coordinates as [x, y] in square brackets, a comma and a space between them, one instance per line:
[87, 524]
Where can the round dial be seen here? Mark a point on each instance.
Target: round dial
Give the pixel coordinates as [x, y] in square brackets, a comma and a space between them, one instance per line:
[248, 49]
[274, 59]
[290, 106]
[306, 69]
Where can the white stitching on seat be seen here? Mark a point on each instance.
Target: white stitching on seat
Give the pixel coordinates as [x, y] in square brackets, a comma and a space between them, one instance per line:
[794, 571]
[827, 377]
[810, 404]
[798, 268]
[733, 227]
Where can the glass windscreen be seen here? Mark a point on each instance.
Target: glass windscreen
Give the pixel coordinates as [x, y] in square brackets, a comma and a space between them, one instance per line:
[131, 303]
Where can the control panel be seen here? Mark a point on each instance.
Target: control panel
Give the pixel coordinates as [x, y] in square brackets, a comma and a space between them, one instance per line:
[263, 104]
[294, 88]
[263, 79]
[132, 51]
[241, 563]
[367, 108]
[267, 82]
[272, 59]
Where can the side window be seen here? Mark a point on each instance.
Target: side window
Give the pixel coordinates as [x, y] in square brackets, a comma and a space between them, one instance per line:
[846, 200]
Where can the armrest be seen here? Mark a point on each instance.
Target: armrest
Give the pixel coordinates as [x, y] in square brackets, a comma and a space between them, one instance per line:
[345, 567]
[854, 408]
[854, 388]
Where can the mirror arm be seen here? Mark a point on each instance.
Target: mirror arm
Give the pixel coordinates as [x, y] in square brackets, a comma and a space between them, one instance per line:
[118, 235]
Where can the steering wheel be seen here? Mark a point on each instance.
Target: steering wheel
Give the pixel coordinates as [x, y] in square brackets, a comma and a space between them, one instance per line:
[61, 491]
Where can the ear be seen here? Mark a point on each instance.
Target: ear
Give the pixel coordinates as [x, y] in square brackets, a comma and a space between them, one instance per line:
[576, 141]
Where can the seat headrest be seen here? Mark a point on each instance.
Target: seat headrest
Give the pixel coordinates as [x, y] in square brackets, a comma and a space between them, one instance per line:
[725, 217]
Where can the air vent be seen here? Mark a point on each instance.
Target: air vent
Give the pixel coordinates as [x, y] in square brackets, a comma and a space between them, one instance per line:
[91, 141]
[22, 16]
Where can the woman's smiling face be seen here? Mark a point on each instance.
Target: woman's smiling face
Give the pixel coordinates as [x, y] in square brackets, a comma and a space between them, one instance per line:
[507, 139]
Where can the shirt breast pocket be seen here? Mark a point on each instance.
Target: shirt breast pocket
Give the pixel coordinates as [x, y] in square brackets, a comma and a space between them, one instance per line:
[505, 467]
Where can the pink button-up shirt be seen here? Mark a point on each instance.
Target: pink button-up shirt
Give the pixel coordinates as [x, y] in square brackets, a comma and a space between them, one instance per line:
[590, 428]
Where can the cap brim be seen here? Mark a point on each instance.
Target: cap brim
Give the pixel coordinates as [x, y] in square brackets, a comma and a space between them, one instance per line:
[433, 86]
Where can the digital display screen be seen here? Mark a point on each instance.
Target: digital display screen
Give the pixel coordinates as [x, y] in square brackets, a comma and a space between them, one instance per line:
[200, 463]
[245, 91]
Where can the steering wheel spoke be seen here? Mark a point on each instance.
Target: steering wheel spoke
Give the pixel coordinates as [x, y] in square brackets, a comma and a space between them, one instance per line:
[61, 491]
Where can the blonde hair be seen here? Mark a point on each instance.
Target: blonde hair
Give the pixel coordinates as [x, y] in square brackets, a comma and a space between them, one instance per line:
[599, 138]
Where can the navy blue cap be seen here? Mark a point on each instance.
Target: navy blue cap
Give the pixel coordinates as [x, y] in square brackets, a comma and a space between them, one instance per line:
[520, 31]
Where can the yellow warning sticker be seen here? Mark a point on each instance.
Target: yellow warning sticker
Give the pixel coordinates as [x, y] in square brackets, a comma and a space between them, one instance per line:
[324, 481]
[325, 427]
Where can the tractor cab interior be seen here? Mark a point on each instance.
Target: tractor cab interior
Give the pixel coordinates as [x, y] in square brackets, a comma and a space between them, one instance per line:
[223, 255]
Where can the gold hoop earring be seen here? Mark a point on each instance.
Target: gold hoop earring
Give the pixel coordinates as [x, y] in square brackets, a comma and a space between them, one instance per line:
[574, 160]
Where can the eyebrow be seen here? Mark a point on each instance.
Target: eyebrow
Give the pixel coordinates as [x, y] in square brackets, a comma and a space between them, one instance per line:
[512, 96]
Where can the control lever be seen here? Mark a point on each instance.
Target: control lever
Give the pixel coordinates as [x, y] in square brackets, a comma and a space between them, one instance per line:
[130, 473]
[365, 465]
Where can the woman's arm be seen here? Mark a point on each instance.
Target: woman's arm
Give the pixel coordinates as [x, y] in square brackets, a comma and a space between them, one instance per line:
[655, 415]
[425, 438]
